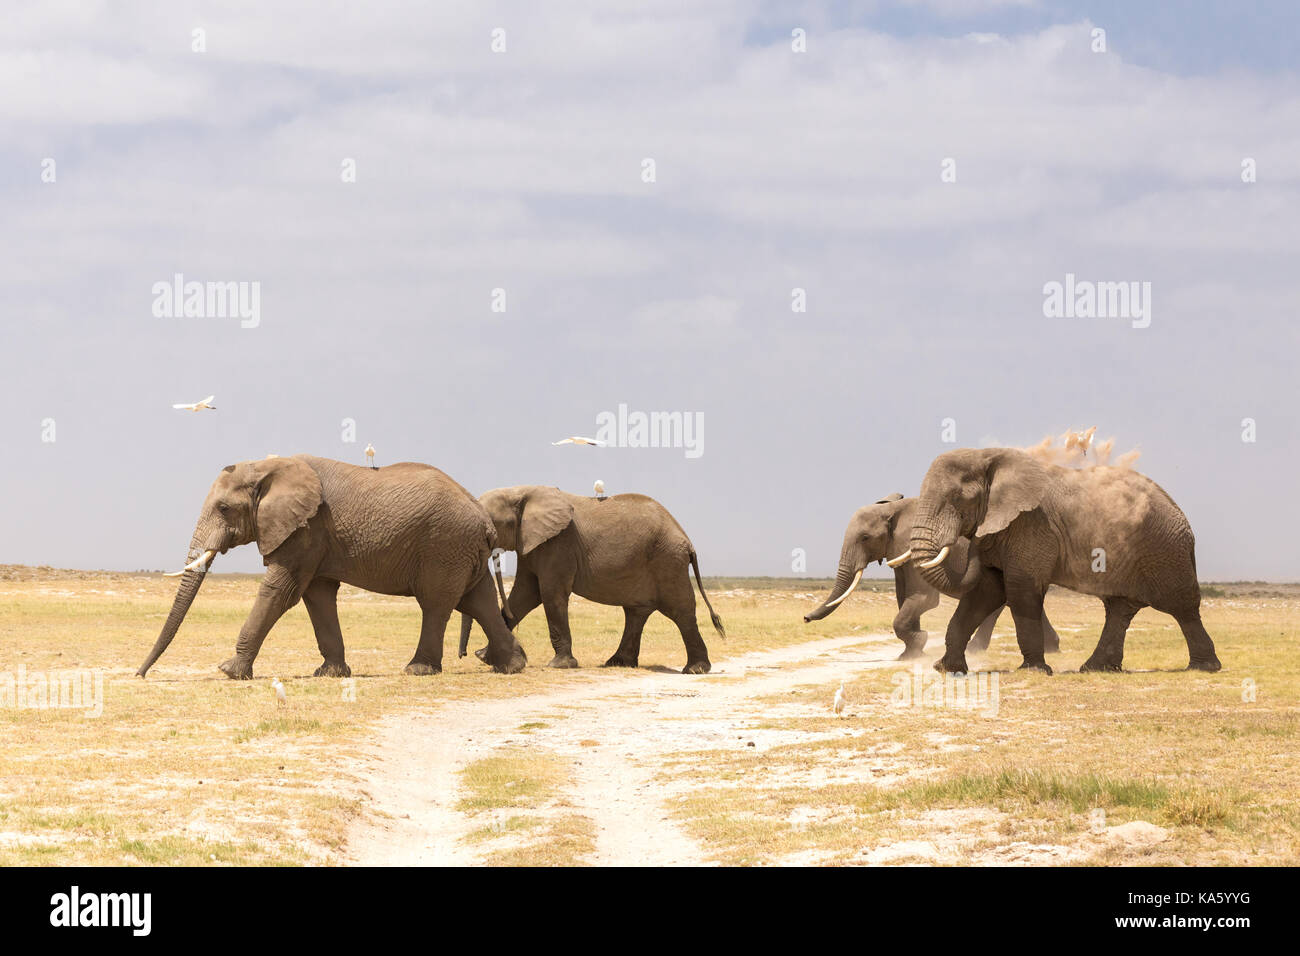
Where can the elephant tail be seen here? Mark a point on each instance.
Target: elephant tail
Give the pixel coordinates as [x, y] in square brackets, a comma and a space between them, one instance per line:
[713, 616]
[465, 624]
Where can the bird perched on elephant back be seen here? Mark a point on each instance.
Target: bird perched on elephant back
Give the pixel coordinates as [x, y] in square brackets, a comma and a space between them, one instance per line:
[1107, 531]
[882, 532]
[624, 550]
[405, 529]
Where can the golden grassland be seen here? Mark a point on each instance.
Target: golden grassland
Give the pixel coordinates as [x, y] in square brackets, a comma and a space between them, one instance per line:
[1211, 759]
[190, 768]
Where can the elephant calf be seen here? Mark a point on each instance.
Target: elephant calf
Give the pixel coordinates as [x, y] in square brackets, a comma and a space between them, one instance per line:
[405, 529]
[881, 532]
[624, 550]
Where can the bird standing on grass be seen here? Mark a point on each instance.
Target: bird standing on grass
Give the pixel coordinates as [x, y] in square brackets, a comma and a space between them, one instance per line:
[600, 488]
[280, 698]
[198, 406]
[370, 455]
[838, 706]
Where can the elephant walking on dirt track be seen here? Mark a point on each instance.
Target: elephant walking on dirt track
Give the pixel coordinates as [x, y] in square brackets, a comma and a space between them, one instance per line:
[405, 529]
[1107, 531]
[624, 550]
[882, 532]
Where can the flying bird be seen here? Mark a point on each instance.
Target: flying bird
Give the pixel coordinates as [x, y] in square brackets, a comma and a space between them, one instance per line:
[370, 455]
[198, 406]
[600, 488]
[1080, 440]
[280, 698]
[577, 440]
[838, 706]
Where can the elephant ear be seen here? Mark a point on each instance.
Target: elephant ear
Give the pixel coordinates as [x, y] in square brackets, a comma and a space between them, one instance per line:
[1016, 484]
[288, 493]
[546, 512]
[889, 499]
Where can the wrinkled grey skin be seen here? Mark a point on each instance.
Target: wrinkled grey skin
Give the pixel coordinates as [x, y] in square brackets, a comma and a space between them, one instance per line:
[882, 531]
[405, 529]
[624, 550]
[1038, 524]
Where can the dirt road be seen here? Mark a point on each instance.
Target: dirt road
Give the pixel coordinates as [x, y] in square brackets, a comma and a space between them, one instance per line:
[617, 733]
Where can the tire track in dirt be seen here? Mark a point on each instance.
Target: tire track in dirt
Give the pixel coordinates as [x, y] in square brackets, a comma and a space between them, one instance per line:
[615, 732]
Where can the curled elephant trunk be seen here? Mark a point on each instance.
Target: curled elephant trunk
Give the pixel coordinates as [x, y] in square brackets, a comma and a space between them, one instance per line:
[191, 578]
[846, 579]
[941, 555]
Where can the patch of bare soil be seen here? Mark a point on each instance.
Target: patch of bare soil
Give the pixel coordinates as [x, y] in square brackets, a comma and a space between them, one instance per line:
[616, 733]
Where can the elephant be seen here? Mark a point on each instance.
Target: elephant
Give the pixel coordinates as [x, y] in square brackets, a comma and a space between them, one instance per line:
[1106, 531]
[404, 529]
[880, 532]
[624, 550]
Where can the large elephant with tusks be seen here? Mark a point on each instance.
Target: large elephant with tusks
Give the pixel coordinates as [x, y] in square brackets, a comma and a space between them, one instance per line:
[405, 529]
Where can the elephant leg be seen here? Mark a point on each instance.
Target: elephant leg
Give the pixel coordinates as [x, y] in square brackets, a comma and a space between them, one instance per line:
[279, 592]
[629, 648]
[907, 623]
[1109, 653]
[556, 604]
[523, 599]
[978, 603]
[1025, 599]
[321, 600]
[697, 655]
[1051, 640]
[504, 653]
[1200, 648]
[984, 633]
[435, 612]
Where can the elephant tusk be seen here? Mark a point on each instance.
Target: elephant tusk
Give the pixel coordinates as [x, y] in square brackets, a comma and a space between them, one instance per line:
[901, 559]
[847, 591]
[200, 562]
[937, 559]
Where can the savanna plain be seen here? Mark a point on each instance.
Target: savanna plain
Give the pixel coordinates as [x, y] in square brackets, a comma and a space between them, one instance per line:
[747, 765]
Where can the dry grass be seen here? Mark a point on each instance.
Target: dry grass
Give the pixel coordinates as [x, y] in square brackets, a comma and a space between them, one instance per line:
[190, 768]
[1208, 757]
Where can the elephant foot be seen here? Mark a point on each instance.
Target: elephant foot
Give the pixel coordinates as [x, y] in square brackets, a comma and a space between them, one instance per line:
[697, 667]
[1037, 666]
[1101, 664]
[518, 661]
[237, 669]
[1052, 647]
[564, 661]
[421, 669]
[333, 669]
[958, 666]
[481, 653]
[1210, 664]
[914, 646]
[977, 647]
[618, 661]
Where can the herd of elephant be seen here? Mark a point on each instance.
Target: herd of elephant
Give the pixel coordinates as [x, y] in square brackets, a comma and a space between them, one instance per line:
[992, 527]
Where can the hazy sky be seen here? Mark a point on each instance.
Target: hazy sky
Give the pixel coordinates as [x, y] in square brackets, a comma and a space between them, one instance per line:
[522, 170]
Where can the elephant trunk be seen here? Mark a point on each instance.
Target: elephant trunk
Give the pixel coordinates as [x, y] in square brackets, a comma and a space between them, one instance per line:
[185, 593]
[846, 579]
[933, 530]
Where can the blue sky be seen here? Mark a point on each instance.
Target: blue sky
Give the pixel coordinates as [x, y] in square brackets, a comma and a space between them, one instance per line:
[523, 170]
